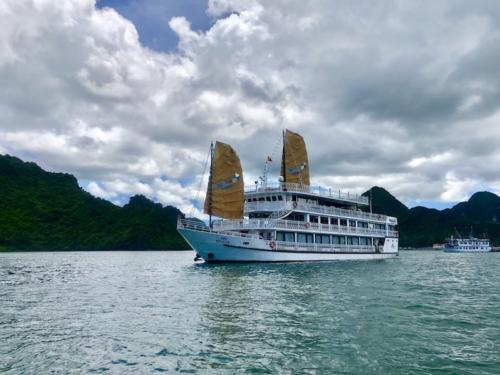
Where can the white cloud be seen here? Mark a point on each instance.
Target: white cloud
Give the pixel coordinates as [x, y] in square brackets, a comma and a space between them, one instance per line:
[400, 94]
[457, 189]
[96, 190]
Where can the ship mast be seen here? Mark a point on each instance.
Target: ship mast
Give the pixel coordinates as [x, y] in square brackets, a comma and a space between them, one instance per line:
[283, 162]
[210, 182]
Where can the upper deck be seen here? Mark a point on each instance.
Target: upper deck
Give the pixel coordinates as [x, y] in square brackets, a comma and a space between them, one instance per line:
[308, 191]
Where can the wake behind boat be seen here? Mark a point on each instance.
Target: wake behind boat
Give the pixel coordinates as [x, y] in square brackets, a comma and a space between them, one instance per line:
[285, 221]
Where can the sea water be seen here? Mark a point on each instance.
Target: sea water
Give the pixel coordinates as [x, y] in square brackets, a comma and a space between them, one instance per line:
[146, 312]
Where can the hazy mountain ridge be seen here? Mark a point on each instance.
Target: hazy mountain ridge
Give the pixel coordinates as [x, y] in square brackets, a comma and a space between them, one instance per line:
[422, 226]
[41, 210]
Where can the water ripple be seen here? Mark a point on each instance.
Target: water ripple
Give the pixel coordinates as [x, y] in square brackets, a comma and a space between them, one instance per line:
[127, 312]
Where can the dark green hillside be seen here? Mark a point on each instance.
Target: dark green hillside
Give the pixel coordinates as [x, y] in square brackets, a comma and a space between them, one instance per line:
[385, 203]
[49, 211]
[482, 206]
[421, 226]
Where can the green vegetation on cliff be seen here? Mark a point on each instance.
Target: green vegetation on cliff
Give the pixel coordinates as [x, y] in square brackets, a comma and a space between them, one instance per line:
[421, 226]
[49, 211]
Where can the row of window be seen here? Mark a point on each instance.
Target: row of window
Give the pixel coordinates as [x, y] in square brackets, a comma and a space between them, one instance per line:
[314, 218]
[271, 198]
[321, 238]
[335, 221]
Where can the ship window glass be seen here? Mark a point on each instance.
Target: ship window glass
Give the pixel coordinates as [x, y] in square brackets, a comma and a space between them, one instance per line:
[355, 240]
[313, 219]
[318, 238]
[363, 241]
[296, 217]
[301, 237]
[352, 223]
[294, 198]
[335, 240]
[309, 238]
[261, 199]
[289, 237]
[343, 222]
[342, 240]
[362, 224]
[325, 238]
[324, 220]
[273, 198]
[280, 198]
[268, 199]
[334, 221]
[280, 236]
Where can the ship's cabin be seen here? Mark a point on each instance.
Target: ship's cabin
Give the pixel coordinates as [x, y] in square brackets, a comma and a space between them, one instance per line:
[321, 217]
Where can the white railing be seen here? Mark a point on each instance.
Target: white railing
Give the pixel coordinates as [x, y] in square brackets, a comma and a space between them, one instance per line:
[340, 248]
[298, 225]
[192, 224]
[200, 226]
[314, 209]
[313, 190]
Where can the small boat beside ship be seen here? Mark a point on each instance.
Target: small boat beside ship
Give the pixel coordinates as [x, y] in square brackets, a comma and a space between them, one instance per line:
[284, 221]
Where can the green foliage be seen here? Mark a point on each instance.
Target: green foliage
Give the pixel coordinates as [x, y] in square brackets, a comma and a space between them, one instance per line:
[49, 211]
[421, 226]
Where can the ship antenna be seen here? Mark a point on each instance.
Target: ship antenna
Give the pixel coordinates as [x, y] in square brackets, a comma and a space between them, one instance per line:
[269, 159]
[284, 157]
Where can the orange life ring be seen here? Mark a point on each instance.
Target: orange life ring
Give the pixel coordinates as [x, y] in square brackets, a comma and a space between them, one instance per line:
[272, 244]
[308, 225]
[295, 204]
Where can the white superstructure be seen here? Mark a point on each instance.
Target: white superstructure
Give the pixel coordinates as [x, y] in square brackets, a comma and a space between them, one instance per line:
[467, 245]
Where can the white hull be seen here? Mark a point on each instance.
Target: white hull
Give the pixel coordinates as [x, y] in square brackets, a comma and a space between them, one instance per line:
[451, 250]
[223, 247]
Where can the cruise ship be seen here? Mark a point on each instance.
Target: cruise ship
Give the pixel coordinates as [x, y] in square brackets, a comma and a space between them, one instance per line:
[285, 221]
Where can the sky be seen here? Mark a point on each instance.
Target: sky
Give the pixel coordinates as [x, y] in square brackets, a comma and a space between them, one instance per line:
[127, 94]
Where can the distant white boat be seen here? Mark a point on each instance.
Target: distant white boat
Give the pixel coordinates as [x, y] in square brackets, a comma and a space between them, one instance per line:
[286, 221]
[467, 245]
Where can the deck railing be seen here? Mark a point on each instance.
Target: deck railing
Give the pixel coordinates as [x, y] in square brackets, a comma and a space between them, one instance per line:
[315, 209]
[335, 248]
[313, 190]
[200, 226]
[299, 226]
[192, 224]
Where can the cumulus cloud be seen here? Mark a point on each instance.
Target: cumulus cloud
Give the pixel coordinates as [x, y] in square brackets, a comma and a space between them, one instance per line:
[400, 94]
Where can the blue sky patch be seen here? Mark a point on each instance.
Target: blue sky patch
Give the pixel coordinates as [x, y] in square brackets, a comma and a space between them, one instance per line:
[151, 18]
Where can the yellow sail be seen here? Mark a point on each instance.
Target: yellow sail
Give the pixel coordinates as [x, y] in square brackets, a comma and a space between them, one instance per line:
[225, 186]
[294, 164]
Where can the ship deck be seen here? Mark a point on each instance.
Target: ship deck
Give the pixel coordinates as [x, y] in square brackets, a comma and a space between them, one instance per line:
[308, 191]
